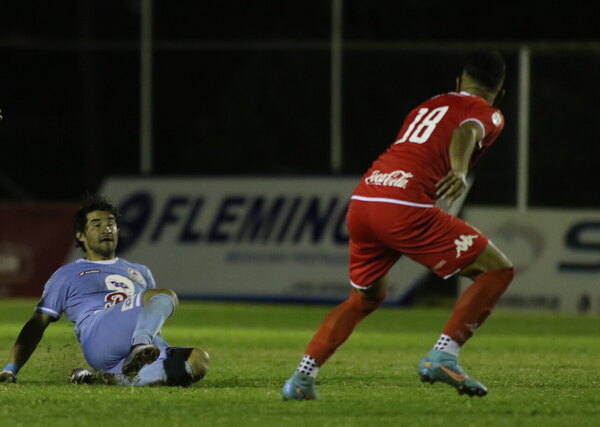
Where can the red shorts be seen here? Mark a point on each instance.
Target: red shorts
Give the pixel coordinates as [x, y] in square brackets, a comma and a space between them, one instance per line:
[381, 232]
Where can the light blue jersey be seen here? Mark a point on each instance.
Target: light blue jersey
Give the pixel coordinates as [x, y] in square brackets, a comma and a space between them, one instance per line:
[82, 288]
[104, 300]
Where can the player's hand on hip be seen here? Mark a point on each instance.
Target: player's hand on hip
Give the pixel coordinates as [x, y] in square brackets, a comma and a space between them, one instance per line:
[452, 186]
[7, 377]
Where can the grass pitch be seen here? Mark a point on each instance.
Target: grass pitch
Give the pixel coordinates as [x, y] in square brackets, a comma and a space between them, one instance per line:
[540, 370]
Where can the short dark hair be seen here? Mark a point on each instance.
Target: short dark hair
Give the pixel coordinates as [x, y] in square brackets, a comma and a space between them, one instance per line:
[90, 203]
[487, 67]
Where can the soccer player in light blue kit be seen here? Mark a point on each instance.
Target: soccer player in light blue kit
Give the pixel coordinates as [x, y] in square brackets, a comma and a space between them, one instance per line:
[117, 311]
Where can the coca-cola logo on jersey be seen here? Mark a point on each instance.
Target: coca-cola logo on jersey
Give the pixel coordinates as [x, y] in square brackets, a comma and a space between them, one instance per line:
[398, 178]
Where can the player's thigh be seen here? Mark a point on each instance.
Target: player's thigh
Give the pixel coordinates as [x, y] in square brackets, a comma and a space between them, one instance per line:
[491, 258]
[107, 338]
[439, 241]
[370, 258]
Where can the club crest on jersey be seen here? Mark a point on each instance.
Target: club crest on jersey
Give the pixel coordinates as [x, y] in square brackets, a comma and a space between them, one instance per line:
[463, 243]
[397, 178]
[496, 118]
[136, 276]
[121, 286]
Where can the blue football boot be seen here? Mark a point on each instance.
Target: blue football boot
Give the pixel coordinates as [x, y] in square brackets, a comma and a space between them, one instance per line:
[441, 366]
[299, 387]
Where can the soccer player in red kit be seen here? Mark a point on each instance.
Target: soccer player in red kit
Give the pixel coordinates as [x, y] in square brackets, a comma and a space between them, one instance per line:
[393, 213]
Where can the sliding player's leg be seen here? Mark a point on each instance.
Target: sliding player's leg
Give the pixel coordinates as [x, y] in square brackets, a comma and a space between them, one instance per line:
[106, 338]
[183, 366]
[180, 366]
[157, 306]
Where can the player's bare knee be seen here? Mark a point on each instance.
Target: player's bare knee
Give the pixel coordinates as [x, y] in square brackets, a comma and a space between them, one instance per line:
[367, 302]
[377, 290]
[490, 259]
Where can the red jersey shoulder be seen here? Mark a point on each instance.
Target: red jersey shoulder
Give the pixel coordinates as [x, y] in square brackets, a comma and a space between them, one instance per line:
[488, 116]
[474, 108]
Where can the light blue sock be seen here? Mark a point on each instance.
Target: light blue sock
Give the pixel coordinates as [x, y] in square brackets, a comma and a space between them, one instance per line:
[152, 317]
[152, 374]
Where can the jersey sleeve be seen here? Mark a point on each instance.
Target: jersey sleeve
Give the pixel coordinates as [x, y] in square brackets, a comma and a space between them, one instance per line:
[53, 298]
[150, 279]
[489, 118]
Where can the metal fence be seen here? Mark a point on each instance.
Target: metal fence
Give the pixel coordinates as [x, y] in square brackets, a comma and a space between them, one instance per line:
[92, 89]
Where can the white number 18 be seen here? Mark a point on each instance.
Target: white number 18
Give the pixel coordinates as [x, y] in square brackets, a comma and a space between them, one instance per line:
[426, 125]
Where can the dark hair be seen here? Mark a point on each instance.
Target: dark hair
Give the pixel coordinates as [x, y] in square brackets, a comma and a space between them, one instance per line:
[487, 67]
[90, 203]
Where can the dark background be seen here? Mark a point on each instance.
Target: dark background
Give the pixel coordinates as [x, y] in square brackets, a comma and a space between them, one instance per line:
[243, 88]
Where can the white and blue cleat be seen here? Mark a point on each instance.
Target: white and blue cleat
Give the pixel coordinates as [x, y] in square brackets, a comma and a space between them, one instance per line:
[441, 366]
[299, 387]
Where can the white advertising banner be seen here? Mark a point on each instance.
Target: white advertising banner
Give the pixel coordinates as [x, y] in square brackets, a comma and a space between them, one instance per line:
[556, 254]
[244, 238]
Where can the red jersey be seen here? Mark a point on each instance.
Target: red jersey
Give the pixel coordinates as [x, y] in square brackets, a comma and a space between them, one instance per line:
[408, 170]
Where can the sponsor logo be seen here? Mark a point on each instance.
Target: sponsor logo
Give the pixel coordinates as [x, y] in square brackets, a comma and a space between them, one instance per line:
[114, 298]
[463, 243]
[234, 220]
[83, 273]
[122, 288]
[398, 178]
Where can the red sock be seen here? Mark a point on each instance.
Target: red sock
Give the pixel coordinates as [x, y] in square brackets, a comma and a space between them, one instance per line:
[476, 303]
[339, 324]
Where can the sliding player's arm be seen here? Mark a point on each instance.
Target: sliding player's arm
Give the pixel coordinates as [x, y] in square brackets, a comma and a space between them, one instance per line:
[25, 345]
[462, 145]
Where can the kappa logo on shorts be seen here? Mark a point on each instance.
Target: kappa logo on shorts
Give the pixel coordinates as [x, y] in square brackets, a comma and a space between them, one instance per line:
[463, 243]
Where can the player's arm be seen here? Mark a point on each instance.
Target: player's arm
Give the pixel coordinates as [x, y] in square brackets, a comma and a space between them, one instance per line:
[25, 345]
[462, 145]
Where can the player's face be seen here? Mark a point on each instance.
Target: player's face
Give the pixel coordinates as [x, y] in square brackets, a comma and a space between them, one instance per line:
[100, 236]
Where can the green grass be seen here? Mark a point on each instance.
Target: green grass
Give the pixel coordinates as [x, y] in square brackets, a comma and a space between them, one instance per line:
[540, 369]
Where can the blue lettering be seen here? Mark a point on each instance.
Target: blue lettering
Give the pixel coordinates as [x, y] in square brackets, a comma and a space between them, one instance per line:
[135, 213]
[224, 216]
[340, 233]
[168, 216]
[288, 220]
[188, 234]
[258, 223]
[314, 219]
[576, 239]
